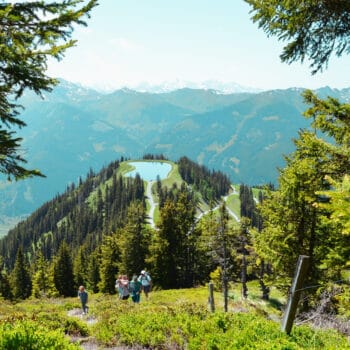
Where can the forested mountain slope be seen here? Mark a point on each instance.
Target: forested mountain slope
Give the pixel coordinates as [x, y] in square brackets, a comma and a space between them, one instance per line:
[99, 206]
[73, 130]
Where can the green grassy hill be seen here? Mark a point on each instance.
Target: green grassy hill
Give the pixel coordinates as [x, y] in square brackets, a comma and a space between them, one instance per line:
[170, 319]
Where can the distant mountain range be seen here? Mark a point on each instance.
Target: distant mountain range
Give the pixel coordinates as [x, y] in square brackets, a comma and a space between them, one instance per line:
[168, 86]
[73, 129]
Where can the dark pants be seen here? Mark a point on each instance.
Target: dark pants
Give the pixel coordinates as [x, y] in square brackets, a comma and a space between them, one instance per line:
[84, 307]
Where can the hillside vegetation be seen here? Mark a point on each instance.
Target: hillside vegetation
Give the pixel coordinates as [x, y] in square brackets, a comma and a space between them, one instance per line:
[172, 319]
[206, 229]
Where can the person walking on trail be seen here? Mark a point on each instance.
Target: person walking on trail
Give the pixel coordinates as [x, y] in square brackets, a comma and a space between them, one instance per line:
[122, 285]
[119, 286]
[135, 289]
[83, 296]
[146, 282]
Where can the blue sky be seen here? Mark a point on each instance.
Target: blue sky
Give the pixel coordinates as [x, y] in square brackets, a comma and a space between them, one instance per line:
[132, 41]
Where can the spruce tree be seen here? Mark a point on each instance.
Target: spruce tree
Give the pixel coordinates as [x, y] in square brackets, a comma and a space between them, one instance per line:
[63, 271]
[295, 221]
[20, 279]
[80, 268]
[93, 271]
[134, 240]
[303, 216]
[31, 32]
[109, 259]
[41, 277]
[174, 245]
[5, 288]
[313, 30]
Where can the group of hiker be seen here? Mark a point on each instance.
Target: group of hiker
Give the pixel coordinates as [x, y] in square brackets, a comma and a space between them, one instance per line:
[134, 287]
[125, 288]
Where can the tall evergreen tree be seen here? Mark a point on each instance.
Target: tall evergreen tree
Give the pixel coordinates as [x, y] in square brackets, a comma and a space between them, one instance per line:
[134, 240]
[63, 271]
[294, 222]
[174, 244]
[20, 279]
[222, 247]
[5, 288]
[109, 264]
[93, 271]
[314, 30]
[41, 277]
[80, 267]
[31, 32]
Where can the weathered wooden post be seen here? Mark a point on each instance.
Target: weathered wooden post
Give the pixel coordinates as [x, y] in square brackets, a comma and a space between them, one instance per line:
[211, 296]
[291, 308]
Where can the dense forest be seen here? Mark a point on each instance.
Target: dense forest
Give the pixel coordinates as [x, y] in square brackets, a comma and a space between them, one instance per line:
[98, 228]
[211, 184]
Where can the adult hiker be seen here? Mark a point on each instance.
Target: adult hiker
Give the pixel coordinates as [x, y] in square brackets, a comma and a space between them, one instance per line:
[135, 287]
[146, 282]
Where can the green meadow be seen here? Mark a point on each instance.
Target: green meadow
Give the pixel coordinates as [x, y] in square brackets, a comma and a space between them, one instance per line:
[169, 319]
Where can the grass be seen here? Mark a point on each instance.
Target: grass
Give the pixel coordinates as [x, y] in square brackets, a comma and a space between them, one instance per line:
[170, 319]
[233, 202]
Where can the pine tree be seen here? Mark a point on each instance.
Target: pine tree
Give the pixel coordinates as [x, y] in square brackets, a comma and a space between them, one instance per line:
[41, 277]
[162, 259]
[31, 32]
[134, 240]
[294, 221]
[5, 288]
[313, 30]
[80, 267]
[109, 259]
[20, 280]
[302, 217]
[93, 271]
[63, 271]
[222, 244]
[174, 245]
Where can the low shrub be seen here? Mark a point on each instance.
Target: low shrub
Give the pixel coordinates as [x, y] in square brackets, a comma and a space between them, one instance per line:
[28, 335]
[192, 327]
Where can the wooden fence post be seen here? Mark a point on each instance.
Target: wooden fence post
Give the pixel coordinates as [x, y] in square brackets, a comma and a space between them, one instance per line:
[298, 280]
[211, 296]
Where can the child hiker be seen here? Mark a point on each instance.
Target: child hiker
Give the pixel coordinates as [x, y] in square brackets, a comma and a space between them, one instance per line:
[122, 285]
[83, 296]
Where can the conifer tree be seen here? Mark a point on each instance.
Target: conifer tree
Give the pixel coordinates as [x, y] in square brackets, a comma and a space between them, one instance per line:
[51, 288]
[5, 288]
[31, 32]
[294, 221]
[41, 277]
[93, 271]
[20, 280]
[174, 245]
[338, 202]
[312, 29]
[297, 217]
[134, 240]
[162, 257]
[80, 267]
[109, 259]
[63, 271]
[207, 258]
[222, 248]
